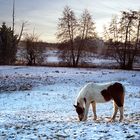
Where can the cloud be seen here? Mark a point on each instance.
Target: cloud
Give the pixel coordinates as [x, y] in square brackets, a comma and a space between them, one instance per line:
[44, 14]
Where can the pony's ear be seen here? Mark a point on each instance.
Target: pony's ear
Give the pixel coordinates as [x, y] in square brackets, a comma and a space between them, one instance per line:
[75, 106]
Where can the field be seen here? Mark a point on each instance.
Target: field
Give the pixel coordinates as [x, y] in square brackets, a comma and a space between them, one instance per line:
[36, 103]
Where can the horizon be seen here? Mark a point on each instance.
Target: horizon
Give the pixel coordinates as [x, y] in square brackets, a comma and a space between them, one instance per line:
[43, 16]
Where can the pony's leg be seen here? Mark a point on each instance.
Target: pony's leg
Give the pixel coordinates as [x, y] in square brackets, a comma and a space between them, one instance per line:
[121, 113]
[115, 112]
[86, 111]
[120, 103]
[94, 109]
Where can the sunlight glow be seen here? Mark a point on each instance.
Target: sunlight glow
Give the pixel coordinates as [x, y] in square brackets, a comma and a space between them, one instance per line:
[44, 14]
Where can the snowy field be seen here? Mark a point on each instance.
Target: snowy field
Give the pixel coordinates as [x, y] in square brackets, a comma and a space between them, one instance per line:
[36, 103]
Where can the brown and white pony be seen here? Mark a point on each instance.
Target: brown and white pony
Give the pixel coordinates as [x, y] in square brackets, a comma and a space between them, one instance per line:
[93, 93]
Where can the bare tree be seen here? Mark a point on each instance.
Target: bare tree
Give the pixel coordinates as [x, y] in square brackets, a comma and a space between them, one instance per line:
[74, 35]
[34, 53]
[13, 23]
[13, 15]
[124, 38]
[86, 31]
[67, 27]
[136, 51]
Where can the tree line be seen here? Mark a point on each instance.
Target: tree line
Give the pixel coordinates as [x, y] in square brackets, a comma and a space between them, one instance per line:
[123, 36]
[76, 35]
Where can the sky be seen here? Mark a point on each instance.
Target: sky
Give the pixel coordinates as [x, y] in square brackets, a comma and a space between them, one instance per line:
[42, 16]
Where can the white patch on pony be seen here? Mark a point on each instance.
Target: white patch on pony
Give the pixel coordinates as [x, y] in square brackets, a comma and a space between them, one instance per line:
[92, 92]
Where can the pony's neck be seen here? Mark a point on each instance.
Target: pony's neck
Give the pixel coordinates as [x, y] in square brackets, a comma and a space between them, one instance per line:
[81, 102]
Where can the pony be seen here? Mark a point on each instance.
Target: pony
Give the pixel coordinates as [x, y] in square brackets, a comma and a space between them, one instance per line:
[93, 93]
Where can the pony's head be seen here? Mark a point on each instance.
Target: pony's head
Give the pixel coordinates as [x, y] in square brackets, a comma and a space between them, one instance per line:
[80, 111]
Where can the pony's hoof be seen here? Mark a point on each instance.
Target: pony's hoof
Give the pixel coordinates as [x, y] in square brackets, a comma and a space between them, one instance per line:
[85, 119]
[95, 119]
[121, 120]
[111, 120]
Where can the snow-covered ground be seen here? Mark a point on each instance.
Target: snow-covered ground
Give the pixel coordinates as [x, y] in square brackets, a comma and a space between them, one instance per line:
[36, 103]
